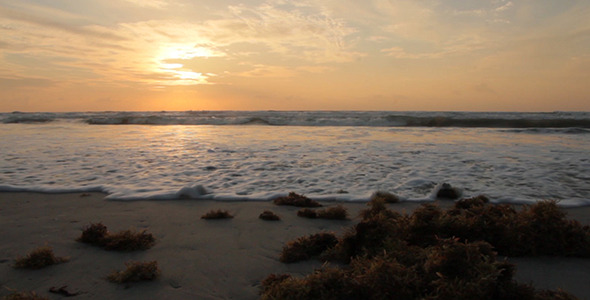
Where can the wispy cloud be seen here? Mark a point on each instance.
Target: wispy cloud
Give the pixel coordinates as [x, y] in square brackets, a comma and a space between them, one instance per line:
[441, 30]
[216, 47]
[47, 23]
[126, 49]
[505, 6]
[150, 3]
[315, 36]
[24, 82]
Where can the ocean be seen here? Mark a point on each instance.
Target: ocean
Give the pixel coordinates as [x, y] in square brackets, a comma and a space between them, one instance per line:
[325, 155]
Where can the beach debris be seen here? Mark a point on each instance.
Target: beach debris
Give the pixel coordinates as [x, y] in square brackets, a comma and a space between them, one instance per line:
[446, 191]
[63, 291]
[332, 213]
[24, 296]
[274, 279]
[307, 213]
[126, 240]
[217, 214]
[136, 271]
[544, 230]
[129, 240]
[94, 234]
[386, 196]
[338, 212]
[269, 216]
[39, 258]
[448, 270]
[433, 253]
[477, 201]
[377, 206]
[307, 247]
[294, 199]
[175, 283]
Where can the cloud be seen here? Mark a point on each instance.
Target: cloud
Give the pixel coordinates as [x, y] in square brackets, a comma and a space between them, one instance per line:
[6, 83]
[438, 29]
[401, 53]
[260, 70]
[150, 3]
[312, 36]
[140, 45]
[457, 46]
[46, 23]
[276, 34]
[504, 7]
[286, 30]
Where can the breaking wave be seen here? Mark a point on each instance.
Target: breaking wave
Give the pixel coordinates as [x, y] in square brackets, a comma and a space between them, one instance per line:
[575, 122]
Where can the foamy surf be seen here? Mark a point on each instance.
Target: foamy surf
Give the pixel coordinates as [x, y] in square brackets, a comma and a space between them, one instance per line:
[326, 160]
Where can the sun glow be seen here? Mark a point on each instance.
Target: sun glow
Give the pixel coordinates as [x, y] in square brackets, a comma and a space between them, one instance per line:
[183, 51]
[176, 72]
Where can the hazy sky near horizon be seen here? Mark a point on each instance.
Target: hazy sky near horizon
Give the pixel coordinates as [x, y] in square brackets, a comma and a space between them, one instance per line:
[484, 55]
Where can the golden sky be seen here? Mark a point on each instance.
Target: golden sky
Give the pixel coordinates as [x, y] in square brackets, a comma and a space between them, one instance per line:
[484, 55]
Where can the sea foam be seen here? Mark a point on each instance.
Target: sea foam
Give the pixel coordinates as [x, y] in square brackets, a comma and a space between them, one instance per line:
[328, 160]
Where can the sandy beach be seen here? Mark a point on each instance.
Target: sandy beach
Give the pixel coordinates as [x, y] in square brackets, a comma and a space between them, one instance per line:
[199, 259]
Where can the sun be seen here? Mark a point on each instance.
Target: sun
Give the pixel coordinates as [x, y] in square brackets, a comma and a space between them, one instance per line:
[185, 51]
[168, 62]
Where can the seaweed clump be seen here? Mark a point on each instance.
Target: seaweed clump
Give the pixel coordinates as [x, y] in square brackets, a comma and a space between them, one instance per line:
[307, 247]
[217, 214]
[127, 240]
[39, 258]
[447, 191]
[24, 296]
[332, 213]
[433, 253]
[268, 215]
[294, 199]
[538, 229]
[546, 231]
[385, 196]
[448, 270]
[307, 213]
[136, 271]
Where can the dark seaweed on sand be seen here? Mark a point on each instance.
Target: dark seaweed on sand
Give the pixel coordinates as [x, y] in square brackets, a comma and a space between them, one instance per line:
[217, 214]
[39, 258]
[433, 253]
[268, 215]
[127, 240]
[332, 213]
[294, 199]
[385, 196]
[136, 271]
[24, 296]
[307, 247]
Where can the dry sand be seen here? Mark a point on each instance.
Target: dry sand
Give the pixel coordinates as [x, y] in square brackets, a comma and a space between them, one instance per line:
[199, 259]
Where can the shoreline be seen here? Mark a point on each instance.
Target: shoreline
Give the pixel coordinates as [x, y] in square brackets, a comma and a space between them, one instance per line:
[217, 259]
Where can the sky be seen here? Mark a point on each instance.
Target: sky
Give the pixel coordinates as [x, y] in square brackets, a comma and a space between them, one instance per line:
[422, 55]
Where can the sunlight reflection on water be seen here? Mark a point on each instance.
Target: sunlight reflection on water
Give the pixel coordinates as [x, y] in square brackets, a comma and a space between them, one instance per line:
[257, 162]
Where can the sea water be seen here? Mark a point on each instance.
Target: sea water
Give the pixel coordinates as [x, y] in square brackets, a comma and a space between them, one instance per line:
[344, 156]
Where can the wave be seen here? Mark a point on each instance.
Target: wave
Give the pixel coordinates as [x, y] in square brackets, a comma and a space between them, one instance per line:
[578, 121]
[491, 122]
[568, 130]
[199, 192]
[189, 192]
